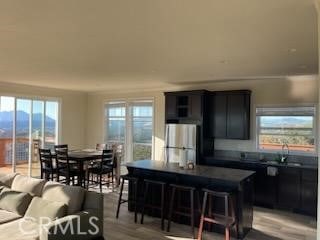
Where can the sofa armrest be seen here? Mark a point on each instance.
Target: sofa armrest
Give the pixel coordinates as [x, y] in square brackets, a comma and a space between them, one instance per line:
[81, 226]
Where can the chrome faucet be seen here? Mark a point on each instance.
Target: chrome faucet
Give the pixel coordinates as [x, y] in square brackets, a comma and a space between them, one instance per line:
[285, 153]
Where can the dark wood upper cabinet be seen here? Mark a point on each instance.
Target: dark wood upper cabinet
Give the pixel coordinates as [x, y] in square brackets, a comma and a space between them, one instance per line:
[171, 107]
[232, 114]
[192, 107]
[225, 114]
[184, 105]
[220, 116]
[196, 106]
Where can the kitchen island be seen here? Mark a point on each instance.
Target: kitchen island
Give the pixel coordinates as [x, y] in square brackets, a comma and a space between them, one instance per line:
[201, 177]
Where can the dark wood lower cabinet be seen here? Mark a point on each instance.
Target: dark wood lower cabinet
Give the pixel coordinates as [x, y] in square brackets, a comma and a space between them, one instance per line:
[309, 198]
[266, 192]
[293, 188]
[309, 185]
[289, 188]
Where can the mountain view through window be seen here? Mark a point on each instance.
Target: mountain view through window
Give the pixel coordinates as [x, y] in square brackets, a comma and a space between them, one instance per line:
[26, 125]
[296, 131]
[130, 124]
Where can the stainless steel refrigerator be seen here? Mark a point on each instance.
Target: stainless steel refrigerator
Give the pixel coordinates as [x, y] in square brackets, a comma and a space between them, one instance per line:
[181, 143]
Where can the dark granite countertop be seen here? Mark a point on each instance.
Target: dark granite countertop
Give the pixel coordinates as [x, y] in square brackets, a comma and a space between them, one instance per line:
[217, 173]
[263, 163]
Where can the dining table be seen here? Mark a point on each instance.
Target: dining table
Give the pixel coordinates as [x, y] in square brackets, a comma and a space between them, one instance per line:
[84, 156]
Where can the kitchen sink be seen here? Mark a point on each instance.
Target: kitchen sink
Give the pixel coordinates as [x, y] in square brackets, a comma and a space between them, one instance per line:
[284, 164]
[294, 164]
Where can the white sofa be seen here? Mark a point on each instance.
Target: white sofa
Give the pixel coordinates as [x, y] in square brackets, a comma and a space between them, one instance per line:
[33, 209]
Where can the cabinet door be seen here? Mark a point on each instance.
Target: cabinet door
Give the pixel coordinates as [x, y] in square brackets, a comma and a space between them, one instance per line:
[309, 186]
[265, 188]
[220, 116]
[183, 106]
[232, 115]
[289, 188]
[236, 120]
[195, 107]
[171, 106]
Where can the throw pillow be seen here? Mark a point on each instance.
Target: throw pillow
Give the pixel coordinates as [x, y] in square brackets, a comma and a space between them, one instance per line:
[14, 201]
[41, 210]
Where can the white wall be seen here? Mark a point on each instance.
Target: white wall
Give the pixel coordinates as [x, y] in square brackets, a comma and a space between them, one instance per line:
[73, 110]
[289, 91]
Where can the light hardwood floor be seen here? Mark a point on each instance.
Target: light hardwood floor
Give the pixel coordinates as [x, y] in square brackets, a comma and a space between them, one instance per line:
[268, 225]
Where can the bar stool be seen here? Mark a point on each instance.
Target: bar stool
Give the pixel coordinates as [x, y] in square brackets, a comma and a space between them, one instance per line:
[131, 199]
[181, 188]
[226, 220]
[147, 184]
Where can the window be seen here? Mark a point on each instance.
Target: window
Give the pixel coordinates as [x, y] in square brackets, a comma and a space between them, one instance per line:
[294, 126]
[25, 125]
[130, 123]
[115, 113]
[142, 128]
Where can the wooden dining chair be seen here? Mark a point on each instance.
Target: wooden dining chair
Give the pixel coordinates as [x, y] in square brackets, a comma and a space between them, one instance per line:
[103, 167]
[118, 158]
[61, 147]
[48, 168]
[67, 168]
[101, 146]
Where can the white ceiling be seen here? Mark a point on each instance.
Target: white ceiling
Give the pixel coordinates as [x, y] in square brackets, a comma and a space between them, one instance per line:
[92, 45]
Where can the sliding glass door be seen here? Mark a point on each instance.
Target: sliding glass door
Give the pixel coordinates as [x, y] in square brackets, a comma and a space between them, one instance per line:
[37, 135]
[50, 123]
[7, 115]
[25, 126]
[130, 123]
[22, 135]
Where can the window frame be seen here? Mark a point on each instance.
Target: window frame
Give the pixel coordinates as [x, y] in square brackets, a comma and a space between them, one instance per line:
[128, 156]
[107, 116]
[295, 152]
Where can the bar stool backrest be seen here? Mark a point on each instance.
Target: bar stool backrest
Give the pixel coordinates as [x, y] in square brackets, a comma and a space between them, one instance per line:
[221, 195]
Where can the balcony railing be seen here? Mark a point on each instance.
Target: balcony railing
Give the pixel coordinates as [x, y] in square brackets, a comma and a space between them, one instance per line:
[21, 152]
